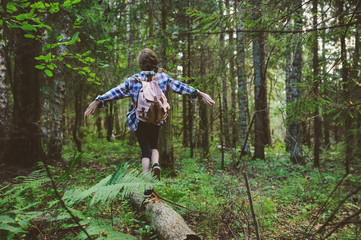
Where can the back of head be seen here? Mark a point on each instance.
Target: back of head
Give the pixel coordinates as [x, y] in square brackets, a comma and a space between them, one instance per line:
[147, 60]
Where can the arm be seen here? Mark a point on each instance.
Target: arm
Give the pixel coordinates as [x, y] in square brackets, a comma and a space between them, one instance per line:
[118, 92]
[182, 88]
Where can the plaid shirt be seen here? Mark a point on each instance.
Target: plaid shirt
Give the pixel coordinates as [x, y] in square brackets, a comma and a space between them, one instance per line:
[131, 88]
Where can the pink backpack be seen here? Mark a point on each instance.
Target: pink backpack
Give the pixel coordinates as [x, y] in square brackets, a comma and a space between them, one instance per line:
[152, 106]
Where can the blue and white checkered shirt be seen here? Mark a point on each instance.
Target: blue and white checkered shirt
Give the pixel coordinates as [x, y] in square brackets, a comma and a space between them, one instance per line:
[131, 88]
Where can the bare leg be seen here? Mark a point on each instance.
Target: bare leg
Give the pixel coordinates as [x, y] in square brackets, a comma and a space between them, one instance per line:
[145, 164]
[155, 156]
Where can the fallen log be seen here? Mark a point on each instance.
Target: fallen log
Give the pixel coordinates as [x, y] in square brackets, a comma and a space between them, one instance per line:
[167, 223]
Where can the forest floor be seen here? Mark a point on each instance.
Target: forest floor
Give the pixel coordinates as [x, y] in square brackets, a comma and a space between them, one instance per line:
[287, 198]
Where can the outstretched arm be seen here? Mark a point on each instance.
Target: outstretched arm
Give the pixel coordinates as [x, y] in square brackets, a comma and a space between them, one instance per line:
[182, 88]
[118, 92]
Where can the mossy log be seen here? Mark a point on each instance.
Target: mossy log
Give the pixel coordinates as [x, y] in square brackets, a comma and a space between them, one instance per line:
[168, 224]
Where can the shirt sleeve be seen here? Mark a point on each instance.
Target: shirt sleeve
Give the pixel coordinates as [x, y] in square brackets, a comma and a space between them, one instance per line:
[119, 92]
[182, 88]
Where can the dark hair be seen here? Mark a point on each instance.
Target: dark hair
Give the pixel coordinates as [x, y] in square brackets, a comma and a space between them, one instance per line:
[147, 60]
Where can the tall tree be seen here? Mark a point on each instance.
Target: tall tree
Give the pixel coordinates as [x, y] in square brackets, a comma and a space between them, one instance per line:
[317, 123]
[4, 95]
[294, 129]
[166, 155]
[58, 107]
[346, 86]
[224, 81]
[203, 111]
[242, 82]
[24, 145]
[233, 83]
[262, 124]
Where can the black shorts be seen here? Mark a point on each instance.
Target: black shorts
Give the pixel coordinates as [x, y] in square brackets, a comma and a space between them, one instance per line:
[147, 135]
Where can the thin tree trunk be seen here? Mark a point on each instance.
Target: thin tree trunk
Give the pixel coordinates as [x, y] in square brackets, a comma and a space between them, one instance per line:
[98, 123]
[346, 86]
[295, 127]
[109, 121]
[234, 124]
[262, 124]
[190, 105]
[355, 76]
[288, 56]
[203, 112]
[24, 145]
[118, 131]
[242, 83]
[326, 117]
[76, 124]
[4, 99]
[317, 123]
[224, 80]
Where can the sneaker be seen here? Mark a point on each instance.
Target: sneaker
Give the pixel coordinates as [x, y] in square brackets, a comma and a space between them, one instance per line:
[156, 170]
[148, 193]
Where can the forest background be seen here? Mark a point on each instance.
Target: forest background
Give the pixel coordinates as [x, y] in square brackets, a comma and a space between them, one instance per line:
[286, 79]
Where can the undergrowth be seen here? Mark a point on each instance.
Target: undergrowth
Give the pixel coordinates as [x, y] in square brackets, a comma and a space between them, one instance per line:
[287, 198]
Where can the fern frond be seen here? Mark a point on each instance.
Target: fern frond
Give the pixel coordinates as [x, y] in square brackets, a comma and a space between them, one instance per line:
[103, 230]
[120, 182]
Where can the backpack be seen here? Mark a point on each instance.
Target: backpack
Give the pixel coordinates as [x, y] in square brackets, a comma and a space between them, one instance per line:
[152, 106]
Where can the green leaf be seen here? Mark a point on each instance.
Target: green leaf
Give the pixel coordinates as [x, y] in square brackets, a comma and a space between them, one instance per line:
[22, 17]
[29, 36]
[1, 22]
[39, 66]
[48, 72]
[11, 7]
[50, 66]
[28, 27]
[38, 5]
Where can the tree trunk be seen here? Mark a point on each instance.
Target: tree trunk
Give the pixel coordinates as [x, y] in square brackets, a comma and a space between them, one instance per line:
[109, 121]
[288, 56]
[4, 98]
[262, 124]
[98, 123]
[203, 112]
[242, 83]
[317, 123]
[166, 156]
[355, 76]
[346, 86]
[24, 145]
[224, 80]
[234, 124]
[116, 120]
[190, 105]
[168, 224]
[295, 128]
[326, 117]
[56, 136]
[184, 100]
[78, 114]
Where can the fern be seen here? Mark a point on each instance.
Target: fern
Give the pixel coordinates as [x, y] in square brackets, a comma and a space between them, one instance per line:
[100, 229]
[120, 182]
[17, 202]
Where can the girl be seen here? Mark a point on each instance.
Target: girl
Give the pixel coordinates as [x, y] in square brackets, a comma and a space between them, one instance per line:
[146, 133]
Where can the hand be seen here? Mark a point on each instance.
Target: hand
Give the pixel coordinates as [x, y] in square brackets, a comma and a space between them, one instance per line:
[207, 99]
[91, 108]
